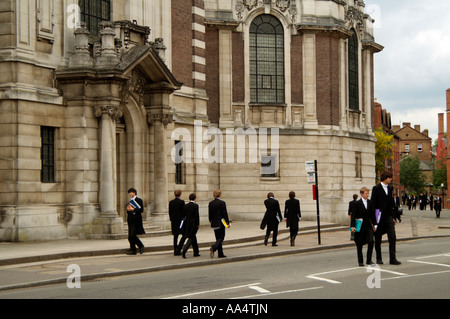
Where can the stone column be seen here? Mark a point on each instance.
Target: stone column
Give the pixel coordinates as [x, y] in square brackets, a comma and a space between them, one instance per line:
[367, 87]
[159, 117]
[309, 80]
[225, 77]
[108, 224]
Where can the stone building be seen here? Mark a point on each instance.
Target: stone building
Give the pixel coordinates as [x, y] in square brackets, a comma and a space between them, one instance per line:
[99, 96]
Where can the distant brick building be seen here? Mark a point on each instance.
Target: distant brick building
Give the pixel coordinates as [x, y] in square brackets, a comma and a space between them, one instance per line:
[416, 143]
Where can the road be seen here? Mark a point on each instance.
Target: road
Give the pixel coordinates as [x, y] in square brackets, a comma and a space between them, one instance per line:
[424, 274]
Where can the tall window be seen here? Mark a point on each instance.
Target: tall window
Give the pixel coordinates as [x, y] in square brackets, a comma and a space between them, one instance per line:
[266, 60]
[353, 70]
[93, 12]
[180, 167]
[47, 154]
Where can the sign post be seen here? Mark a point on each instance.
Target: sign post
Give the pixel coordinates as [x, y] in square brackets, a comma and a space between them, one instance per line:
[311, 169]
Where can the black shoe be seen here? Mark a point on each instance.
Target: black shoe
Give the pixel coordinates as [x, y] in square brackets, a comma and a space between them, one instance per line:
[141, 250]
[361, 264]
[196, 255]
[177, 253]
[379, 262]
[183, 255]
[395, 262]
[130, 253]
[223, 256]
[274, 245]
[370, 263]
[266, 240]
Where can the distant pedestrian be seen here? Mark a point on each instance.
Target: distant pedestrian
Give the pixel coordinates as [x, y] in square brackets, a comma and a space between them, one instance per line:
[218, 217]
[438, 206]
[272, 218]
[135, 208]
[350, 209]
[191, 225]
[362, 224]
[292, 215]
[176, 216]
[397, 208]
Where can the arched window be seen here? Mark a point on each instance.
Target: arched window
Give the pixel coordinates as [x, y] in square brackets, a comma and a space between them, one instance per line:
[266, 60]
[353, 71]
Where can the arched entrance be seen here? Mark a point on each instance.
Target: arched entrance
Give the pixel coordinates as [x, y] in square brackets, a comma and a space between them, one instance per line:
[132, 155]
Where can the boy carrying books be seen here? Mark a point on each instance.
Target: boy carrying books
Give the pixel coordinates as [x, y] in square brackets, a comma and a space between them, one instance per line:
[362, 221]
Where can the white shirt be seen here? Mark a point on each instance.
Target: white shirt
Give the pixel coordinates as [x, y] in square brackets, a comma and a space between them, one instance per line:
[385, 187]
[365, 202]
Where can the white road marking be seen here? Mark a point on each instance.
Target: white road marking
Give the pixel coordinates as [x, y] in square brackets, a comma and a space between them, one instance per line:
[321, 277]
[279, 293]
[259, 289]
[428, 263]
[433, 256]
[316, 276]
[214, 290]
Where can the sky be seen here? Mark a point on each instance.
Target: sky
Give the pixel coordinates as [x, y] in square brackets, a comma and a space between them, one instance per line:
[412, 73]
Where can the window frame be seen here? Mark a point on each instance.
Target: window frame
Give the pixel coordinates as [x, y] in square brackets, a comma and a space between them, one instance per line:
[48, 154]
[353, 72]
[267, 60]
[93, 12]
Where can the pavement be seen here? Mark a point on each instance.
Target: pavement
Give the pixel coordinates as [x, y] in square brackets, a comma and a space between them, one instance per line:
[31, 264]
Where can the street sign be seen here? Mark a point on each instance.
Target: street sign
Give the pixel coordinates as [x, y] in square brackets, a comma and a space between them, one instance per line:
[311, 177]
[310, 166]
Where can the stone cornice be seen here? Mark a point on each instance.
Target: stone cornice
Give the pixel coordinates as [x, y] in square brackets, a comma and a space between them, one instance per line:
[372, 46]
[335, 30]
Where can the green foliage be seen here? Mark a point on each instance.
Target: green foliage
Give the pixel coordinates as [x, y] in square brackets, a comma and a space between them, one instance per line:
[384, 149]
[440, 175]
[411, 176]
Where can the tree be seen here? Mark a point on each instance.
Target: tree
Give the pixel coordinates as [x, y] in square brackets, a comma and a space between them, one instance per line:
[411, 176]
[440, 175]
[384, 149]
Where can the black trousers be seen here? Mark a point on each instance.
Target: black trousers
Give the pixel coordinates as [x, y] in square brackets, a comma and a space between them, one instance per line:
[273, 229]
[389, 229]
[133, 238]
[191, 241]
[359, 251]
[293, 232]
[220, 237]
[438, 213]
[176, 232]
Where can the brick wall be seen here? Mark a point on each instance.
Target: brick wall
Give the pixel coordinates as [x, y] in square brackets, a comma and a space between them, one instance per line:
[327, 56]
[212, 74]
[238, 68]
[182, 41]
[297, 69]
